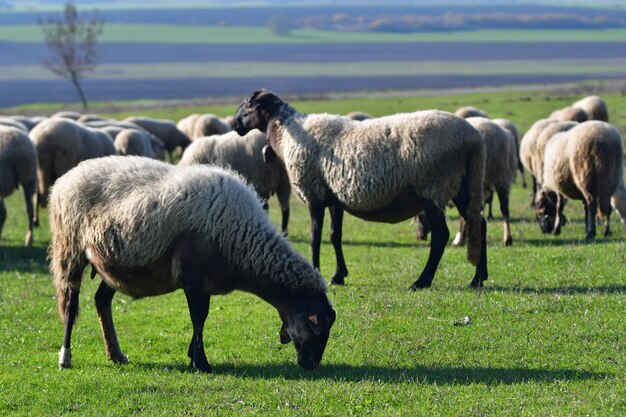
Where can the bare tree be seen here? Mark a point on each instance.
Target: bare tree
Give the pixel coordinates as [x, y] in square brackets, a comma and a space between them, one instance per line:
[72, 41]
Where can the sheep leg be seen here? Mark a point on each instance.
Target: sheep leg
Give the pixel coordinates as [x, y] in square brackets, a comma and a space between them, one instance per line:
[198, 303]
[606, 209]
[316, 211]
[520, 166]
[438, 242]
[3, 215]
[71, 312]
[481, 274]
[422, 229]
[283, 193]
[489, 203]
[336, 235]
[503, 197]
[461, 235]
[533, 201]
[591, 207]
[104, 296]
[30, 189]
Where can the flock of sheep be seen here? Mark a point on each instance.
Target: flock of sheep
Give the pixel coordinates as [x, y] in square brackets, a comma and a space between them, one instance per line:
[148, 227]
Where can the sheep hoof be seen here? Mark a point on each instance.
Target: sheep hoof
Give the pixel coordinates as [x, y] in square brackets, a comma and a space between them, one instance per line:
[420, 284]
[508, 241]
[337, 280]
[590, 237]
[201, 366]
[477, 282]
[29, 239]
[65, 358]
[121, 358]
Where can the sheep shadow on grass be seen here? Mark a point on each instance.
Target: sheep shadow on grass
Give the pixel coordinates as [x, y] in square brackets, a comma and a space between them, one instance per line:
[442, 375]
[608, 289]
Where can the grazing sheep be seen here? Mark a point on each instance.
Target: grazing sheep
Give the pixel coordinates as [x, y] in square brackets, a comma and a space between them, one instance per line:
[584, 163]
[595, 108]
[165, 130]
[500, 170]
[358, 115]
[8, 122]
[387, 169]
[540, 147]
[61, 144]
[471, 111]
[84, 118]
[18, 166]
[133, 142]
[114, 127]
[527, 151]
[510, 126]
[201, 125]
[67, 115]
[28, 122]
[150, 228]
[245, 156]
[570, 113]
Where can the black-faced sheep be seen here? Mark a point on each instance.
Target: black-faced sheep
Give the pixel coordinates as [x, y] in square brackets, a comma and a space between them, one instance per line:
[61, 144]
[165, 130]
[595, 107]
[584, 163]
[245, 156]
[470, 111]
[18, 166]
[387, 169]
[149, 228]
[500, 170]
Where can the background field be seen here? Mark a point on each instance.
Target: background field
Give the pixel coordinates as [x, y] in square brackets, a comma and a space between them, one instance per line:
[547, 335]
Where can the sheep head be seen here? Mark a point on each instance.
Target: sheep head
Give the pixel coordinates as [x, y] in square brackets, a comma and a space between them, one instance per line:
[309, 330]
[256, 111]
[546, 211]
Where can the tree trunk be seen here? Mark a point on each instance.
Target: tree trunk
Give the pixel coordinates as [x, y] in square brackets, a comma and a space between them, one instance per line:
[76, 83]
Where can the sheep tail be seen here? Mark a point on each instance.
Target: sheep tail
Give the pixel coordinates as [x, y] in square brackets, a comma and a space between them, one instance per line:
[475, 177]
[66, 261]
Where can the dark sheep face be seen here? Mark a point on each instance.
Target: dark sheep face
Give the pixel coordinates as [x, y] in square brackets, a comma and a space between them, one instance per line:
[546, 211]
[256, 111]
[309, 332]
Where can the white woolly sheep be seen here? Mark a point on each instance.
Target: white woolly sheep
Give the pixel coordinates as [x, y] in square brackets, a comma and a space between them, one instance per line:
[358, 115]
[114, 127]
[245, 156]
[165, 130]
[134, 142]
[571, 114]
[72, 115]
[149, 228]
[500, 169]
[29, 122]
[595, 107]
[8, 122]
[61, 144]
[510, 126]
[470, 111]
[584, 163]
[387, 169]
[201, 125]
[542, 140]
[84, 118]
[18, 166]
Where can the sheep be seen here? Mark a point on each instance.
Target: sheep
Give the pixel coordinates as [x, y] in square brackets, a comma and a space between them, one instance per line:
[584, 163]
[510, 126]
[618, 201]
[201, 125]
[114, 127]
[387, 169]
[165, 130]
[149, 228]
[358, 115]
[470, 111]
[91, 118]
[72, 115]
[230, 119]
[245, 156]
[9, 122]
[527, 151]
[28, 122]
[61, 144]
[570, 113]
[133, 142]
[18, 166]
[595, 108]
[500, 169]
[542, 140]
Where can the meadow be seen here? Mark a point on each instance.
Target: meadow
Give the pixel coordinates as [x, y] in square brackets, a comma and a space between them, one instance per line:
[546, 337]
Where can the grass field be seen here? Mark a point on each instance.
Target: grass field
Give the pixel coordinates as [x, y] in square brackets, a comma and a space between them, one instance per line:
[547, 335]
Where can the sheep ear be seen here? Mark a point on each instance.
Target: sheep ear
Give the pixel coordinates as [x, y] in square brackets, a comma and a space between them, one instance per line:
[315, 325]
[269, 155]
[284, 336]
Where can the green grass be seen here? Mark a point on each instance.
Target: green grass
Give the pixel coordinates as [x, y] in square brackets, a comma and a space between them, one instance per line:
[158, 33]
[547, 335]
[169, 70]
